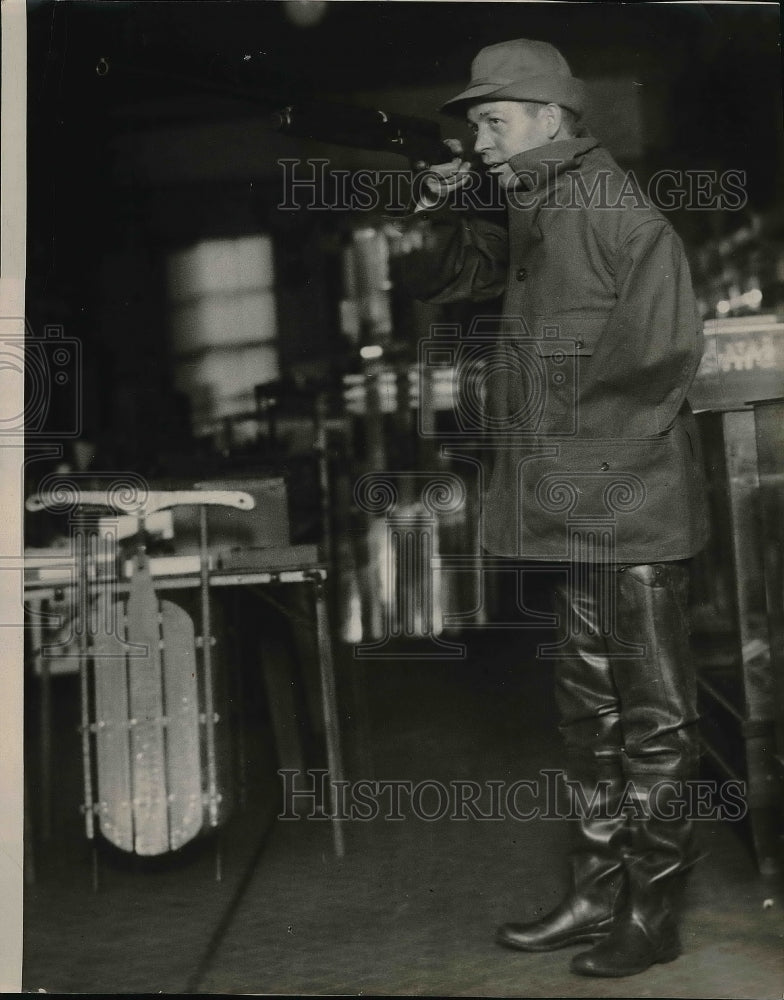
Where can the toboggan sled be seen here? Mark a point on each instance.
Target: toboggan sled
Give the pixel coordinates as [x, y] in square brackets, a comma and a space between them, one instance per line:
[153, 744]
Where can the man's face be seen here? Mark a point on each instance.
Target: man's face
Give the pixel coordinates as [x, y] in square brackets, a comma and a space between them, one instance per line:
[501, 130]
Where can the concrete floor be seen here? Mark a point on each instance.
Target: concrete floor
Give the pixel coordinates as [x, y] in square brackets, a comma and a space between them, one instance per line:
[412, 906]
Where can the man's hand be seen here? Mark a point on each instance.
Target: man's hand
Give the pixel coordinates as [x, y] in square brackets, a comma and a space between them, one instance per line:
[445, 177]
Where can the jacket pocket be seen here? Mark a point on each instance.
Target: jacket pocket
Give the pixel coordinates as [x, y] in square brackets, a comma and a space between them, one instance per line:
[572, 332]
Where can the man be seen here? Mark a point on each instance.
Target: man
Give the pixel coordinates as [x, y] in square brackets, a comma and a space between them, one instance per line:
[595, 471]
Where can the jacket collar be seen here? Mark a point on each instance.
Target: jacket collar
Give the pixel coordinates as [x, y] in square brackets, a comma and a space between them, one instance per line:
[538, 170]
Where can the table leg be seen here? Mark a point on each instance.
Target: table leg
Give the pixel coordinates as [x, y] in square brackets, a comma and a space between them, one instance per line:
[329, 708]
[758, 717]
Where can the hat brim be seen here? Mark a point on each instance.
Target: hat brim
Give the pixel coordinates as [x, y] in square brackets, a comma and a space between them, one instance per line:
[456, 105]
[568, 92]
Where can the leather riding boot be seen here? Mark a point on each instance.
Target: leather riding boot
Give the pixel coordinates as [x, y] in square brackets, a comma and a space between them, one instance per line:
[658, 714]
[646, 934]
[588, 705]
[598, 881]
[659, 856]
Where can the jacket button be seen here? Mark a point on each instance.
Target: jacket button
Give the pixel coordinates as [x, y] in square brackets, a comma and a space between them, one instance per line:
[605, 466]
[521, 274]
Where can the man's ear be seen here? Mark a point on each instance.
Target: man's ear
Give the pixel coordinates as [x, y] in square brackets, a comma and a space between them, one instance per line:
[552, 117]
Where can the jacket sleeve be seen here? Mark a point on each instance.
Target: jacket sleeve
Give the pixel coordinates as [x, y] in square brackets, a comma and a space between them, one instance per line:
[464, 257]
[651, 346]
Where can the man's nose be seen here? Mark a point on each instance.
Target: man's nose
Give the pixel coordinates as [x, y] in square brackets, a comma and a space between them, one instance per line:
[482, 140]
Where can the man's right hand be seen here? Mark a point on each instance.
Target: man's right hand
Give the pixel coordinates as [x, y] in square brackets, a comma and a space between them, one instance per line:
[442, 178]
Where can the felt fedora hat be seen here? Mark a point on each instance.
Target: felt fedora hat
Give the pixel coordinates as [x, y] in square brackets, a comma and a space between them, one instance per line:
[520, 70]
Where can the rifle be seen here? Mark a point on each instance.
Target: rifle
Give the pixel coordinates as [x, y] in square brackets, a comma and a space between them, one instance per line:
[418, 139]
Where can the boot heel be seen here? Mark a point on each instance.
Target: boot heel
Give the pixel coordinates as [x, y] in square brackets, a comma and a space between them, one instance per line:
[669, 950]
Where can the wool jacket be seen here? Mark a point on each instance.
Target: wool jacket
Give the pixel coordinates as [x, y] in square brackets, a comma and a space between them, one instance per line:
[592, 448]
